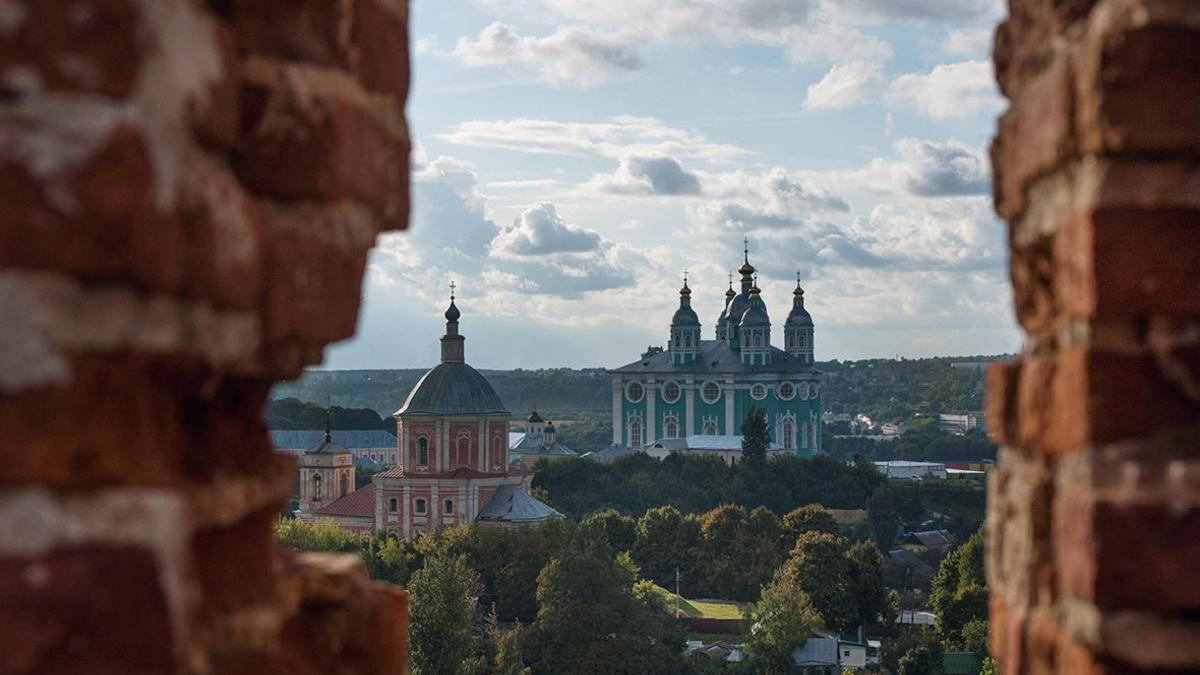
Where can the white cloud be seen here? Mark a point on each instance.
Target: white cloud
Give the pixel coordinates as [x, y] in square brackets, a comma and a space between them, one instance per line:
[949, 90]
[570, 56]
[650, 175]
[969, 42]
[618, 137]
[539, 230]
[925, 168]
[843, 86]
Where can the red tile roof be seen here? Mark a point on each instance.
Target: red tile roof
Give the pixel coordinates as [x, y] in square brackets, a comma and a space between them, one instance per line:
[359, 503]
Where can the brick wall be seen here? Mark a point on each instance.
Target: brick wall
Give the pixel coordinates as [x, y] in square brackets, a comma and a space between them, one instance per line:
[189, 193]
[1094, 511]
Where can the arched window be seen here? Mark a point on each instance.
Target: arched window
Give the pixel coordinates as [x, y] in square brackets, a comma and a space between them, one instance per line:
[419, 506]
[788, 432]
[804, 434]
[344, 485]
[316, 486]
[710, 428]
[671, 428]
[635, 434]
[422, 452]
[448, 507]
[464, 450]
[393, 504]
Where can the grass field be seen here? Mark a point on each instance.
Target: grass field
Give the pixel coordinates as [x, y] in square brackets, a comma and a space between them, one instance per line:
[703, 609]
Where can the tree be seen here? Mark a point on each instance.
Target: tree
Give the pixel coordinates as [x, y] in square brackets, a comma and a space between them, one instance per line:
[883, 517]
[822, 571]
[443, 600]
[780, 621]
[975, 637]
[591, 620]
[619, 530]
[959, 590]
[755, 437]
[811, 518]
[322, 535]
[922, 658]
[666, 540]
[866, 582]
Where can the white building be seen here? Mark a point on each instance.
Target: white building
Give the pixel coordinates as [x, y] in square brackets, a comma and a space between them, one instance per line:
[727, 448]
[911, 470]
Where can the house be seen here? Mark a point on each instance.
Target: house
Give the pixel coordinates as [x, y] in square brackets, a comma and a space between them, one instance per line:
[364, 445]
[938, 541]
[961, 423]
[726, 448]
[908, 470]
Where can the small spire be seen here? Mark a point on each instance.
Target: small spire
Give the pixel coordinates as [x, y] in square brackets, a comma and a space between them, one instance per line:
[685, 290]
[746, 269]
[799, 292]
[328, 435]
[452, 290]
[730, 293]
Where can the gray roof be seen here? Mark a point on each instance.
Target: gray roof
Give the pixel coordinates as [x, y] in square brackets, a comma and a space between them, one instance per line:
[511, 504]
[305, 439]
[756, 314]
[738, 306]
[716, 357]
[685, 316]
[535, 444]
[611, 453]
[452, 389]
[704, 442]
[798, 316]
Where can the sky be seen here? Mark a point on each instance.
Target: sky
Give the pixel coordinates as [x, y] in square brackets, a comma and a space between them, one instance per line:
[573, 157]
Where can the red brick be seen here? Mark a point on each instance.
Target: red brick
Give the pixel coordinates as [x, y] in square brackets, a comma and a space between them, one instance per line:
[388, 626]
[224, 236]
[322, 146]
[97, 220]
[1034, 137]
[216, 114]
[1000, 400]
[115, 423]
[76, 46]
[1032, 272]
[87, 609]
[1127, 552]
[379, 49]
[238, 566]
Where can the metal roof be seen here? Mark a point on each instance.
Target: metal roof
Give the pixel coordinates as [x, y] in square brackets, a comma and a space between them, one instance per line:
[611, 453]
[511, 504]
[716, 357]
[535, 444]
[704, 442]
[452, 389]
[305, 439]
[359, 503]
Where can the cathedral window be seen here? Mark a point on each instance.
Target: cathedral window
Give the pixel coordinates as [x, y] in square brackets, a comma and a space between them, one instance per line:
[634, 392]
[419, 506]
[758, 391]
[316, 483]
[344, 485]
[670, 392]
[710, 427]
[786, 391]
[464, 450]
[710, 391]
[422, 452]
[671, 429]
[788, 431]
[635, 434]
[393, 505]
[448, 507]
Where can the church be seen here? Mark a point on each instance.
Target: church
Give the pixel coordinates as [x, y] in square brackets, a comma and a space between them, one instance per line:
[698, 388]
[452, 438]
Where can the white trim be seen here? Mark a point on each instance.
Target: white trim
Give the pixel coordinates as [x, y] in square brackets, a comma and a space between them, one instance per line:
[678, 391]
[704, 385]
[629, 385]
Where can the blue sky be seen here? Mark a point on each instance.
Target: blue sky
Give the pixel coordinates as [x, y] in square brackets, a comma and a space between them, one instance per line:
[573, 157]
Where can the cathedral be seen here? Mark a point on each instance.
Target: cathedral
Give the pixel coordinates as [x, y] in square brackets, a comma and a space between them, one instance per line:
[452, 438]
[697, 387]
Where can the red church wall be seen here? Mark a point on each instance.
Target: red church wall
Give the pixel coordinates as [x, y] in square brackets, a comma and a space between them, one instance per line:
[464, 438]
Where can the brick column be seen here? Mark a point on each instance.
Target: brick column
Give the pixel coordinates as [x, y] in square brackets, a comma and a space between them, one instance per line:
[185, 219]
[1094, 508]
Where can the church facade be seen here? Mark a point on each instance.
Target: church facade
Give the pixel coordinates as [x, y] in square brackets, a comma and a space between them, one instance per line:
[706, 387]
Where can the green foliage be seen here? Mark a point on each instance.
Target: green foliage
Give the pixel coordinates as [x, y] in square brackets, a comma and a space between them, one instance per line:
[915, 652]
[988, 666]
[883, 517]
[756, 438]
[781, 620]
[819, 568]
[443, 599]
[619, 530]
[925, 659]
[291, 413]
[959, 592]
[666, 540]
[591, 620]
[322, 535]
[975, 637]
[866, 582]
[810, 518]
[637, 483]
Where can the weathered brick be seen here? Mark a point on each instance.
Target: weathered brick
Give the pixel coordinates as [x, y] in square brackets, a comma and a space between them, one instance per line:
[1032, 272]
[96, 218]
[67, 45]
[224, 234]
[379, 48]
[86, 609]
[1096, 533]
[216, 114]
[1000, 400]
[239, 565]
[101, 438]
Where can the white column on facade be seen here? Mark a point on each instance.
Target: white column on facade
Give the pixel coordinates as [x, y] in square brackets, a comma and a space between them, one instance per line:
[406, 507]
[401, 457]
[730, 427]
[481, 446]
[462, 508]
[689, 407]
[618, 427]
[380, 512]
[444, 453]
[651, 399]
[434, 520]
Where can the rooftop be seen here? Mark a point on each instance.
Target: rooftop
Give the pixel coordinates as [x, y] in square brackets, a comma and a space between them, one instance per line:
[717, 357]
